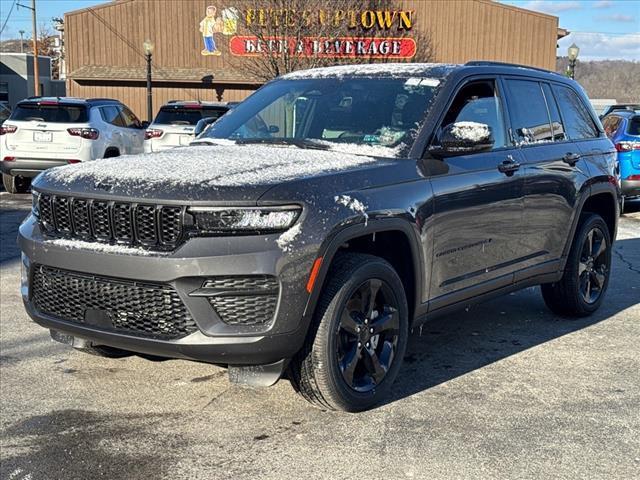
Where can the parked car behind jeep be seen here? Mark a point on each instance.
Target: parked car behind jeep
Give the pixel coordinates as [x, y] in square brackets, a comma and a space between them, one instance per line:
[623, 128]
[175, 123]
[45, 132]
[333, 212]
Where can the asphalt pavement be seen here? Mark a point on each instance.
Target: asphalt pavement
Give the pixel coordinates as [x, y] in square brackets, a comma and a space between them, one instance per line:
[502, 390]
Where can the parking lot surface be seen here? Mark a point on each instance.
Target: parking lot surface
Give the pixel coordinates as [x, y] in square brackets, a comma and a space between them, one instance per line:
[502, 390]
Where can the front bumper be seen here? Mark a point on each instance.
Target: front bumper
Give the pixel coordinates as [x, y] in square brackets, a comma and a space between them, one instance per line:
[185, 270]
[630, 188]
[29, 167]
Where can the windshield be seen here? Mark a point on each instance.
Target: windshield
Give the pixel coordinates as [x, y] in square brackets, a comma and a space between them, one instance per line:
[56, 113]
[187, 115]
[379, 112]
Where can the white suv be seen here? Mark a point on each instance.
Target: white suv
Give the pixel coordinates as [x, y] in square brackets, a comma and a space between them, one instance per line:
[45, 132]
[176, 121]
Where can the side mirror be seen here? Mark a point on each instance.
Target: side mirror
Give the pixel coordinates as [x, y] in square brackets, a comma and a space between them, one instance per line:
[202, 125]
[462, 138]
[144, 125]
[274, 129]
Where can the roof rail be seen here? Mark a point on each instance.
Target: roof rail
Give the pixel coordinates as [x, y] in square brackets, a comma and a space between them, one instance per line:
[174, 101]
[481, 63]
[101, 99]
[34, 97]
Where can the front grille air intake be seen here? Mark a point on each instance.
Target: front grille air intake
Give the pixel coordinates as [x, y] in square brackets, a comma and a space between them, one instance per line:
[155, 227]
[106, 303]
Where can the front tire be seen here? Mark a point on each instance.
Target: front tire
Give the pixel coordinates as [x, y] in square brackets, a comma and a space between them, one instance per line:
[358, 336]
[15, 184]
[581, 289]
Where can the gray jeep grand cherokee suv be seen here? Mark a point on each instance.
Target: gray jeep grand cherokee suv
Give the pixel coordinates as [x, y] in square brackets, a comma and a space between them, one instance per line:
[325, 218]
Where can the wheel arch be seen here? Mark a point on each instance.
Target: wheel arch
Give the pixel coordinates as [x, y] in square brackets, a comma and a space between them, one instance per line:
[372, 239]
[111, 152]
[600, 198]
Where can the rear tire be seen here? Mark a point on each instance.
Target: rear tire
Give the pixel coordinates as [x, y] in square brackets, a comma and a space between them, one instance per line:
[15, 184]
[357, 338]
[584, 282]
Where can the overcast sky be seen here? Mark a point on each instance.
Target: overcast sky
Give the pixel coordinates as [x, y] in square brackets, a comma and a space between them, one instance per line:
[601, 28]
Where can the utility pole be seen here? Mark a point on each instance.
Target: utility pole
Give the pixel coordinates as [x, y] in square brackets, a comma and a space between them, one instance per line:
[21, 41]
[36, 73]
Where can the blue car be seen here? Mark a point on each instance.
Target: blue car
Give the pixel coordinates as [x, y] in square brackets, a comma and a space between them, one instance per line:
[623, 128]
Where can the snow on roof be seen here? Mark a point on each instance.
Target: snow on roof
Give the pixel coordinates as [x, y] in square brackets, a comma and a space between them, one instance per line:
[213, 166]
[368, 69]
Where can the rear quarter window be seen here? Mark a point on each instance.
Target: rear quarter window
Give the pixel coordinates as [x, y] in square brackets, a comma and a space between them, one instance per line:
[57, 113]
[577, 119]
[633, 128]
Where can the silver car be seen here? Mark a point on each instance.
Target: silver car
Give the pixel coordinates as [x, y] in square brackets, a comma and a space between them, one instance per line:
[176, 121]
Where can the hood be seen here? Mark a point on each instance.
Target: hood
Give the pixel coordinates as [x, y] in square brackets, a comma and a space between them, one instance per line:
[225, 173]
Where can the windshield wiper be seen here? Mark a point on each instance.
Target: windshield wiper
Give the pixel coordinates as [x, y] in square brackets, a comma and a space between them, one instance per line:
[298, 142]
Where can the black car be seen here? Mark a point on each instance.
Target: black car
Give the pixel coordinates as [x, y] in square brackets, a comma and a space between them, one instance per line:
[309, 231]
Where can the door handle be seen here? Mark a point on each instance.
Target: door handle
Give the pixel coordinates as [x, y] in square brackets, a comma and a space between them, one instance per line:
[509, 166]
[571, 158]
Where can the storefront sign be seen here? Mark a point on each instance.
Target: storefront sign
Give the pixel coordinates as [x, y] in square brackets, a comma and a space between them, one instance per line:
[228, 21]
[344, 47]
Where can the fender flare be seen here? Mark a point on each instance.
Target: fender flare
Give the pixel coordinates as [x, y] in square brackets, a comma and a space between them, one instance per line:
[587, 193]
[331, 246]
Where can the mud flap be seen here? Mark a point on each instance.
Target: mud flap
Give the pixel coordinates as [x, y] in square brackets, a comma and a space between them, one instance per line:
[257, 375]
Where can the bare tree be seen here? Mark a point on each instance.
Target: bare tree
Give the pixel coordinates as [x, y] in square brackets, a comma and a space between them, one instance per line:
[287, 25]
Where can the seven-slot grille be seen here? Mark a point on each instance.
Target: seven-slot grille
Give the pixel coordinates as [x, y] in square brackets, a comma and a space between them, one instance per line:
[152, 226]
[136, 308]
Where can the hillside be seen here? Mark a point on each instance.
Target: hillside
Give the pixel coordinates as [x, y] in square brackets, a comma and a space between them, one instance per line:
[617, 79]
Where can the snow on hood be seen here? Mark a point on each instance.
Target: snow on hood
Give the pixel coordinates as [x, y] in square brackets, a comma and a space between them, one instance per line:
[371, 69]
[209, 166]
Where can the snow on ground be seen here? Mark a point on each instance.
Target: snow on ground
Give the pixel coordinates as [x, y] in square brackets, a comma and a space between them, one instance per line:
[219, 165]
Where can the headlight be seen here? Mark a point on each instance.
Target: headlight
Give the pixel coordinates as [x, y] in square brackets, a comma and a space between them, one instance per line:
[35, 204]
[244, 220]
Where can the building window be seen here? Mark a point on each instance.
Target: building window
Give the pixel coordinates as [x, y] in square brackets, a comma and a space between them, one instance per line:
[4, 91]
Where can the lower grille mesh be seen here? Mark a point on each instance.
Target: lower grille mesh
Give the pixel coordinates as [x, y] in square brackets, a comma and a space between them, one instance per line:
[120, 305]
[244, 301]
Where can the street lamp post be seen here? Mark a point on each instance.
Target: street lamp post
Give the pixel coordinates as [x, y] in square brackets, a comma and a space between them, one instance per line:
[21, 41]
[148, 52]
[573, 52]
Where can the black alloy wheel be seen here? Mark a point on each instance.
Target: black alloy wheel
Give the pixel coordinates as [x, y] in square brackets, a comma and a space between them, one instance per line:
[367, 335]
[357, 338]
[593, 268]
[587, 271]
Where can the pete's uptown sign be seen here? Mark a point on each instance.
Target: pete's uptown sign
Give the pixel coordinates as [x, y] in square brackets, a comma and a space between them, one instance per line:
[365, 19]
[344, 47]
[325, 22]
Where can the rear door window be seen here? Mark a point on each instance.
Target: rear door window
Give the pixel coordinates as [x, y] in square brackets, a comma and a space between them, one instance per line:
[557, 127]
[54, 113]
[576, 116]
[529, 113]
